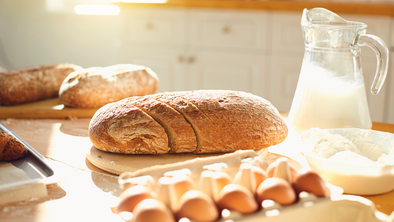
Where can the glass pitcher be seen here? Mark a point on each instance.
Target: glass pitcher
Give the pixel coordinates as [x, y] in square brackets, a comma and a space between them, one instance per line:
[330, 91]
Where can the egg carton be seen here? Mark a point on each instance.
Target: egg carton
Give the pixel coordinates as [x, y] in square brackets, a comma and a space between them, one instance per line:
[307, 207]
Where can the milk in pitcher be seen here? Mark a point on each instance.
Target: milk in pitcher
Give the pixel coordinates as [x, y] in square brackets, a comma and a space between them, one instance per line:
[329, 103]
[330, 91]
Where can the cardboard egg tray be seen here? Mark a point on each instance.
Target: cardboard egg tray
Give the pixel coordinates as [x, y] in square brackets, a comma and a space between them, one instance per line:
[307, 207]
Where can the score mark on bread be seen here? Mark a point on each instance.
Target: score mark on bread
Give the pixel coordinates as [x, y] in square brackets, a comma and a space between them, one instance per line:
[203, 121]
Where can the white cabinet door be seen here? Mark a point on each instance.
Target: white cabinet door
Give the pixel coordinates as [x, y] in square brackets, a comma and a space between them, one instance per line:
[376, 25]
[286, 34]
[167, 64]
[164, 27]
[241, 72]
[228, 30]
[286, 54]
[379, 26]
[390, 95]
[389, 115]
[284, 73]
[376, 103]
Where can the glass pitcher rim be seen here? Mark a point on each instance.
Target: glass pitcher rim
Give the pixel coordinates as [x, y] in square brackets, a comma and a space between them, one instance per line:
[341, 23]
[349, 24]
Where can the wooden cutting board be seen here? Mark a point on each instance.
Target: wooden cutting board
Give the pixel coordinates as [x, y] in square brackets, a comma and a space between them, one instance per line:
[51, 108]
[67, 141]
[119, 163]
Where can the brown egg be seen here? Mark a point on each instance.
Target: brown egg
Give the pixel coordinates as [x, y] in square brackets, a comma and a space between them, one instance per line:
[276, 189]
[219, 180]
[197, 206]
[310, 182]
[146, 181]
[272, 167]
[205, 182]
[130, 197]
[238, 198]
[151, 210]
[245, 177]
[250, 176]
[259, 174]
[182, 184]
[163, 191]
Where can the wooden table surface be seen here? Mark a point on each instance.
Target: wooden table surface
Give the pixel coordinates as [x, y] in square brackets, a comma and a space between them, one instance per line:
[87, 193]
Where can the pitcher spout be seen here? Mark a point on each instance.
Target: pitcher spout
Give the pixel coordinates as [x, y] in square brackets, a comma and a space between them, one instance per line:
[324, 29]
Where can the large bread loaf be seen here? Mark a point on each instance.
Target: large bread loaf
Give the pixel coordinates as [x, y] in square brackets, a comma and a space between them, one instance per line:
[96, 86]
[33, 83]
[204, 121]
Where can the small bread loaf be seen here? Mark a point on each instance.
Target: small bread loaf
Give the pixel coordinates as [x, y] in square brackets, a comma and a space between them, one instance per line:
[95, 87]
[10, 148]
[222, 121]
[32, 84]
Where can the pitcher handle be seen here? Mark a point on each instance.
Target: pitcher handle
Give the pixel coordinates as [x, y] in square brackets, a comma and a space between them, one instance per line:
[382, 57]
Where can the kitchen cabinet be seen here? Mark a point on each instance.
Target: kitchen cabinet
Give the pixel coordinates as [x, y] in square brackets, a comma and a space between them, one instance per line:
[286, 52]
[242, 72]
[228, 30]
[379, 26]
[154, 28]
[389, 115]
[390, 100]
[197, 49]
[227, 50]
[168, 64]
[255, 51]
[155, 38]
[283, 78]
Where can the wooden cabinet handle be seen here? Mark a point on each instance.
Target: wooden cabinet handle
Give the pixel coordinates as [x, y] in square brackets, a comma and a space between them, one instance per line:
[226, 29]
[149, 25]
[191, 59]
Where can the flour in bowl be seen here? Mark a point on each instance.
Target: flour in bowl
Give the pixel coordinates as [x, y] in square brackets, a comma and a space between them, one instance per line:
[387, 159]
[350, 157]
[353, 148]
[324, 144]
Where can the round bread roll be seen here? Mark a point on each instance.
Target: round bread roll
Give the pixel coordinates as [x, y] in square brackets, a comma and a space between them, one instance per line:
[96, 86]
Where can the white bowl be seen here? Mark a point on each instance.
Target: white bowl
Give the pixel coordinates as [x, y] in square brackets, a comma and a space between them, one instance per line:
[356, 179]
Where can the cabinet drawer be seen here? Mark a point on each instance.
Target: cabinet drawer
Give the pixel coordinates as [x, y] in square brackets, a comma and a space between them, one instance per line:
[376, 103]
[166, 63]
[389, 112]
[287, 33]
[284, 72]
[376, 25]
[228, 29]
[241, 72]
[164, 26]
